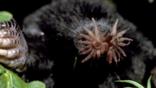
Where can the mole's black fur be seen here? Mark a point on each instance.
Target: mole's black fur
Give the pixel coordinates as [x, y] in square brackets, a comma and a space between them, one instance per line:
[52, 51]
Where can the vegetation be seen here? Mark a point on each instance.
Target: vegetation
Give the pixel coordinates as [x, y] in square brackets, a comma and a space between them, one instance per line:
[9, 79]
[5, 16]
[136, 84]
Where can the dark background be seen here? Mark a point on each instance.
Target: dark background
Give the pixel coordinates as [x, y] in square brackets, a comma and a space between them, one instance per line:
[141, 13]
[22, 8]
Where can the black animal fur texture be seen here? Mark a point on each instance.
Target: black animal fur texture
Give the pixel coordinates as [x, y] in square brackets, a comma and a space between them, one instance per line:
[54, 58]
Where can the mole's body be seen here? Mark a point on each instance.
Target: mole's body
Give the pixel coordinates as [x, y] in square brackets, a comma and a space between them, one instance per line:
[65, 23]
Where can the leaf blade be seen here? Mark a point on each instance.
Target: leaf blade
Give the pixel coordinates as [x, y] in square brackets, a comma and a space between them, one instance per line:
[5, 16]
[36, 84]
[149, 82]
[136, 84]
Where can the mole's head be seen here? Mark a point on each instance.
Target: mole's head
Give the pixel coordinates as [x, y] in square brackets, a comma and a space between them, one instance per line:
[99, 37]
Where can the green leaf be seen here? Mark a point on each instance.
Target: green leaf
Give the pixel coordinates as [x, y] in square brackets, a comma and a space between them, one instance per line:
[149, 82]
[17, 81]
[4, 83]
[136, 84]
[9, 79]
[36, 84]
[1, 70]
[5, 16]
